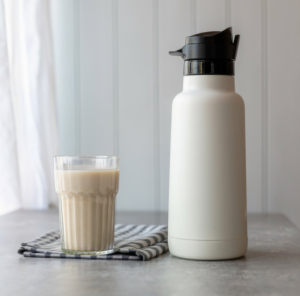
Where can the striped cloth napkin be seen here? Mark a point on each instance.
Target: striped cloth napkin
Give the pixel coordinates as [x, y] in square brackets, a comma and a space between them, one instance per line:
[132, 242]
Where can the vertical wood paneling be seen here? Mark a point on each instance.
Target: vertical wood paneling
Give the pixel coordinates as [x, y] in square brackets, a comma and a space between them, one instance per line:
[210, 15]
[156, 117]
[264, 105]
[115, 50]
[63, 20]
[284, 106]
[228, 22]
[174, 26]
[116, 83]
[193, 13]
[248, 80]
[136, 105]
[96, 77]
[77, 76]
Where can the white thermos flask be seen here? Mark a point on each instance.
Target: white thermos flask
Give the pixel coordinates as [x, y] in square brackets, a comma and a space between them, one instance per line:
[207, 194]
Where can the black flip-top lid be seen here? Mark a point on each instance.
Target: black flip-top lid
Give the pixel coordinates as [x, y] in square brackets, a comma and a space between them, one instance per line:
[209, 46]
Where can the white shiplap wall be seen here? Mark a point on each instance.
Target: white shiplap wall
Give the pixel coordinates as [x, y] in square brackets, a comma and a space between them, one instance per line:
[116, 83]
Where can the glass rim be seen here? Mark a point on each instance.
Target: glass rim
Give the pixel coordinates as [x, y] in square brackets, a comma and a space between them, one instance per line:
[86, 156]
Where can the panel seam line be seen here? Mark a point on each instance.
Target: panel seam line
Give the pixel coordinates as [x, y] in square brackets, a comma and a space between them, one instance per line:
[115, 43]
[77, 88]
[156, 112]
[265, 115]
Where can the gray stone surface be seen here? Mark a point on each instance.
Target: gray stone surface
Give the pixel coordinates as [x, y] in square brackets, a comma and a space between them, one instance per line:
[271, 266]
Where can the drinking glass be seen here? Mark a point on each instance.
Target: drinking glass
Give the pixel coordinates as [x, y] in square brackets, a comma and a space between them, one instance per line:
[86, 187]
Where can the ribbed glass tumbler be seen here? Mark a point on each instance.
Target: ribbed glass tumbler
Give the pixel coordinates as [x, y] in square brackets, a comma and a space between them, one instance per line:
[86, 187]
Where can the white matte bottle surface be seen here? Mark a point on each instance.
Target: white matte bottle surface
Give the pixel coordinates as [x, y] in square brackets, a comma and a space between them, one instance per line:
[207, 197]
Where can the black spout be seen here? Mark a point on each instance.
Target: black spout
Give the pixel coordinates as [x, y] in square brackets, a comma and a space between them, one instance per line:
[176, 53]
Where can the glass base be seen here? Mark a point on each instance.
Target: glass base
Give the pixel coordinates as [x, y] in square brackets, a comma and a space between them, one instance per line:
[94, 253]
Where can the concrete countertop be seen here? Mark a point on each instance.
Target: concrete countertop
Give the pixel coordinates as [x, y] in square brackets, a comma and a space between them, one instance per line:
[271, 266]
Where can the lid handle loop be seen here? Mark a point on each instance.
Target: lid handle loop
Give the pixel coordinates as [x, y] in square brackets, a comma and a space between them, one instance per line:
[236, 45]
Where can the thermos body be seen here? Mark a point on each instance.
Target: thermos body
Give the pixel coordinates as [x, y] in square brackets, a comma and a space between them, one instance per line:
[207, 193]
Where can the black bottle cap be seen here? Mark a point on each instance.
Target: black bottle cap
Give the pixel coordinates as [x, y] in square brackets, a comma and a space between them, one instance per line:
[209, 46]
[209, 53]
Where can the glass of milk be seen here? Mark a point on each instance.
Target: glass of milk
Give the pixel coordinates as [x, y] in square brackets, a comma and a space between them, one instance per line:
[86, 187]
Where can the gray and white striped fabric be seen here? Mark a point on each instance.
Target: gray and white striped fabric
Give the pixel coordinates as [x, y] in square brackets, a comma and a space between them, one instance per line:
[135, 242]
